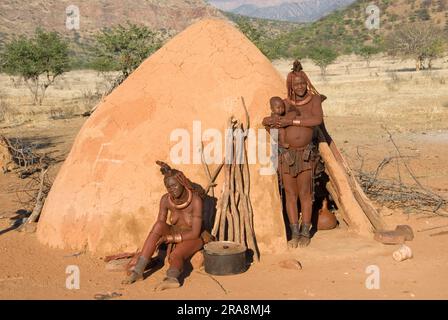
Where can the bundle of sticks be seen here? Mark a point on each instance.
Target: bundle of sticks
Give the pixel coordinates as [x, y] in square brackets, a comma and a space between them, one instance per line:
[30, 165]
[26, 161]
[234, 217]
[395, 194]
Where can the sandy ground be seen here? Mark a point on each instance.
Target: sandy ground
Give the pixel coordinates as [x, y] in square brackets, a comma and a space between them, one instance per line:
[415, 110]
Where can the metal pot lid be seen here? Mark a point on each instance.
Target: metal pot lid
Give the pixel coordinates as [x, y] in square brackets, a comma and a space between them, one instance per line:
[223, 248]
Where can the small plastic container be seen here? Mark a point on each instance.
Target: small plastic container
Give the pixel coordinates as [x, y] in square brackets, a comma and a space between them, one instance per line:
[402, 254]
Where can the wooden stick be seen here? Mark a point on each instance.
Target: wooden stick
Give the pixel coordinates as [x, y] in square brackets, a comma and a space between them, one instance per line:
[225, 204]
[439, 234]
[246, 214]
[241, 204]
[352, 210]
[234, 211]
[217, 222]
[428, 229]
[248, 211]
[247, 114]
[40, 199]
[207, 170]
[225, 196]
[363, 201]
[213, 178]
[230, 225]
[251, 237]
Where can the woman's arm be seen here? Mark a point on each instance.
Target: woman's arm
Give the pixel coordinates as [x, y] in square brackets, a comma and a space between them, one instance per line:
[268, 122]
[163, 208]
[315, 119]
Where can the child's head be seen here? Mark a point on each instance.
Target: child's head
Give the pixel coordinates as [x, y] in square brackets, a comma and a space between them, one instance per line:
[277, 106]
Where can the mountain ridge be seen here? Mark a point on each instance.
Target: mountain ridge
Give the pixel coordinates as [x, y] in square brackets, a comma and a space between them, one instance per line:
[301, 11]
[22, 16]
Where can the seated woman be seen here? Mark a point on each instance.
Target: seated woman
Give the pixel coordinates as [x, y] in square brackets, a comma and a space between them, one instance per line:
[184, 201]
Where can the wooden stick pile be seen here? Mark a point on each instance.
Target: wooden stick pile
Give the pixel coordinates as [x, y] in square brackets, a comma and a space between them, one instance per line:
[396, 194]
[26, 160]
[234, 217]
[32, 166]
[393, 192]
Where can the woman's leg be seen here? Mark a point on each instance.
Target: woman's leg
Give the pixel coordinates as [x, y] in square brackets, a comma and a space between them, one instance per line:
[182, 252]
[149, 247]
[291, 194]
[304, 181]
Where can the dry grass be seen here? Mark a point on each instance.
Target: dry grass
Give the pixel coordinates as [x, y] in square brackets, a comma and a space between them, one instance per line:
[72, 94]
[388, 89]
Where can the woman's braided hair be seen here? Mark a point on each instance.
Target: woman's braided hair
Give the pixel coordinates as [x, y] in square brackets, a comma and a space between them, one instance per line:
[169, 172]
[297, 71]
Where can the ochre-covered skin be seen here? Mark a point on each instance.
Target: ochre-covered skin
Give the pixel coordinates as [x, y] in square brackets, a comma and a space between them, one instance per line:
[106, 195]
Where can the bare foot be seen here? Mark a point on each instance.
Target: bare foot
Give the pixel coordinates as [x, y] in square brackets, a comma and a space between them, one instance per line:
[167, 283]
[293, 243]
[304, 241]
[132, 278]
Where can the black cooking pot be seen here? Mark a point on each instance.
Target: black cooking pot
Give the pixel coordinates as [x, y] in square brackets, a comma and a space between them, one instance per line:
[224, 258]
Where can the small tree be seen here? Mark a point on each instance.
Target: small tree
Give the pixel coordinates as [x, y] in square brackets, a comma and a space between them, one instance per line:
[37, 60]
[418, 41]
[366, 52]
[435, 50]
[323, 57]
[255, 35]
[123, 48]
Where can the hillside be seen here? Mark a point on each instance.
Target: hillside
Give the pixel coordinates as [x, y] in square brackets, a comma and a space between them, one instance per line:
[345, 29]
[168, 17]
[229, 5]
[23, 16]
[269, 29]
[294, 11]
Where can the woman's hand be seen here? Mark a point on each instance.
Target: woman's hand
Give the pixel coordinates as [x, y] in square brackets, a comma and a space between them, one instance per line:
[166, 239]
[162, 239]
[268, 122]
[282, 122]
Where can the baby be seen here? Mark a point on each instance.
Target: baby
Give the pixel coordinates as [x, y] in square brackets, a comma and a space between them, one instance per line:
[278, 109]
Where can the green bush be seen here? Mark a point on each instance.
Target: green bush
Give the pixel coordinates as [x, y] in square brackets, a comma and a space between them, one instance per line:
[37, 60]
[123, 48]
[322, 56]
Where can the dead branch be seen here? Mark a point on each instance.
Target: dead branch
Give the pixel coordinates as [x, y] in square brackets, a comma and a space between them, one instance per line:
[206, 169]
[27, 161]
[39, 199]
[394, 193]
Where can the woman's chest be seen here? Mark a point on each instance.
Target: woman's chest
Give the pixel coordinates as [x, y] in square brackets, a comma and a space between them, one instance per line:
[298, 111]
[178, 216]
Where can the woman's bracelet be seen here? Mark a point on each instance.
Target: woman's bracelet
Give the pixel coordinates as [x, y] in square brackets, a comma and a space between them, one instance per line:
[177, 238]
[296, 122]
